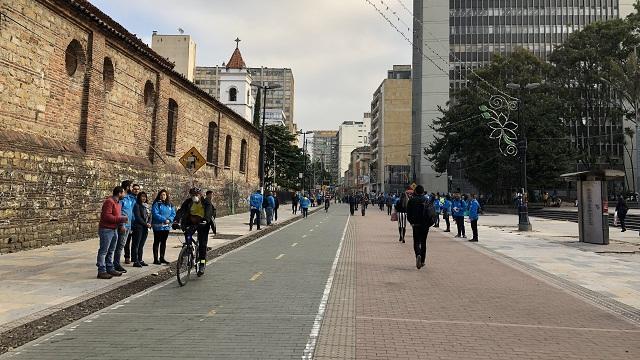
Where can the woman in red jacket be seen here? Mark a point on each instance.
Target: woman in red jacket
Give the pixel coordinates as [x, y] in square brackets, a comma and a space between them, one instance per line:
[110, 219]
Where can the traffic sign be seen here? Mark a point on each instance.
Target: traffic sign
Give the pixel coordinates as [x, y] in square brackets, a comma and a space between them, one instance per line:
[192, 160]
[413, 186]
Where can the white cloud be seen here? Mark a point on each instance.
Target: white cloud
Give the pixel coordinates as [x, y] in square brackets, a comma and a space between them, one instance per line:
[339, 50]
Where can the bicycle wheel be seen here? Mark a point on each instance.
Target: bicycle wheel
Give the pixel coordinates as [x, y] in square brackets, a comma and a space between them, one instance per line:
[183, 265]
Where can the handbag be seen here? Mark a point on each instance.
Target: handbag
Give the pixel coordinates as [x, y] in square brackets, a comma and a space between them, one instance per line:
[615, 218]
[394, 215]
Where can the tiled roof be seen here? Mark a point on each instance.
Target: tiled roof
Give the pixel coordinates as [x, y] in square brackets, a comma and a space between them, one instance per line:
[236, 61]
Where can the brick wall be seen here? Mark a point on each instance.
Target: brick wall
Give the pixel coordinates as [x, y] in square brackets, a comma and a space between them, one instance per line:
[66, 141]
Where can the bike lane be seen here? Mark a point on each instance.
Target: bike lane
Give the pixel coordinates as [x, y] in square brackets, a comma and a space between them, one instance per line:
[260, 301]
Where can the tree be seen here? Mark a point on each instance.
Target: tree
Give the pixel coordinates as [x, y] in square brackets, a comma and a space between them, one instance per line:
[289, 160]
[464, 135]
[257, 108]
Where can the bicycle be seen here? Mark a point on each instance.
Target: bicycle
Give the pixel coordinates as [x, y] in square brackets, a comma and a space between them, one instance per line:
[188, 257]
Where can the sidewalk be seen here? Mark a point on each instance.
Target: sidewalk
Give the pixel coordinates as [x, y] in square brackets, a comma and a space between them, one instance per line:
[41, 281]
[466, 304]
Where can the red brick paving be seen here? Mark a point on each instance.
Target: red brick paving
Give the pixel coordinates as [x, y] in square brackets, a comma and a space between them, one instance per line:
[467, 305]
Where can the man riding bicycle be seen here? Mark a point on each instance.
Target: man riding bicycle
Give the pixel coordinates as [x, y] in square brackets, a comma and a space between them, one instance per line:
[194, 215]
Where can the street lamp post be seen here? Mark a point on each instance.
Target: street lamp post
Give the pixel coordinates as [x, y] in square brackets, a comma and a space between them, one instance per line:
[523, 209]
[304, 155]
[264, 87]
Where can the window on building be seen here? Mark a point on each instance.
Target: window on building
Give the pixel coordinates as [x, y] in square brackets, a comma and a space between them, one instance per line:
[74, 59]
[149, 94]
[172, 126]
[227, 151]
[212, 144]
[243, 156]
[107, 74]
[233, 94]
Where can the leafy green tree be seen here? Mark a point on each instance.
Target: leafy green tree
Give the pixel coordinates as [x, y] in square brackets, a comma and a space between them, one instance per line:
[289, 160]
[464, 135]
[257, 108]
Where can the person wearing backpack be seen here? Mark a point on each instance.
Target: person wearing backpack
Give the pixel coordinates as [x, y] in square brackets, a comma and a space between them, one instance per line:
[446, 211]
[418, 217]
[459, 207]
[474, 209]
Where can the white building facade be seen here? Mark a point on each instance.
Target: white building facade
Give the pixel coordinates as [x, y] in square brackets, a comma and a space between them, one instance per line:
[352, 135]
[235, 86]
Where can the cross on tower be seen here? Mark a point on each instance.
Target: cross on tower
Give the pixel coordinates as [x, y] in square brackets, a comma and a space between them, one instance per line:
[237, 40]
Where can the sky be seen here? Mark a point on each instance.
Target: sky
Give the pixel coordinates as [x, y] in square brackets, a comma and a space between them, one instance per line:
[339, 50]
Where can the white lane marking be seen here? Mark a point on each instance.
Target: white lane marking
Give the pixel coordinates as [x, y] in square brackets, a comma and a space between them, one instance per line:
[317, 225]
[279, 256]
[256, 276]
[310, 348]
[304, 236]
[310, 230]
[294, 244]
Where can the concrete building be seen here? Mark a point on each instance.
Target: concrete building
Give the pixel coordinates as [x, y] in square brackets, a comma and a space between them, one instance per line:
[357, 177]
[274, 117]
[234, 88]
[352, 135]
[391, 132]
[460, 35]
[208, 78]
[324, 148]
[179, 49]
[109, 109]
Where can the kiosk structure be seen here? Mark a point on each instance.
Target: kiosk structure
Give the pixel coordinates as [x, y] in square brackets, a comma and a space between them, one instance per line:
[593, 205]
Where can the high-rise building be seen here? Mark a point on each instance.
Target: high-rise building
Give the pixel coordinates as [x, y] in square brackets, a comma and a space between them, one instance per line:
[180, 49]
[208, 79]
[390, 135]
[461, 35]
[352, 135]
[324, 148]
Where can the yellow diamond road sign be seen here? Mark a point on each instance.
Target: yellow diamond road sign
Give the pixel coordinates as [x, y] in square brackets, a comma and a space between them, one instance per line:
[192, 160]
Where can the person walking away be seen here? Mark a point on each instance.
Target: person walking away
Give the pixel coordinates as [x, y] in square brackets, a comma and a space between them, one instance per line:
[110, 220]
[135, 189]
[622, 209]
[255, 203]
[420, 223]
[459, 207]
[437, 206]
[327, 202]
[196, 210]
[474, 211]
[276, 206]
[141, 226]
[270, 204]
[446, 211]
[401, 211]
[162, 215]
[304, 205]
[212, 221]
[295, 199]
[390, 201]
[124, 231]
[364, 201]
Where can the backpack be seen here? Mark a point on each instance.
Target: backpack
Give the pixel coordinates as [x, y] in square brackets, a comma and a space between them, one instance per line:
[429, 213]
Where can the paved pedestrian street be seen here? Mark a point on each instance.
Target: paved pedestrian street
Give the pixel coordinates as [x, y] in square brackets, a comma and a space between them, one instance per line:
[271, 300]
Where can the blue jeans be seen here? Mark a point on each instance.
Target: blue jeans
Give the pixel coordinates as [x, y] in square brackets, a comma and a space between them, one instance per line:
[122, 239]
[269, 212]
[108, 242]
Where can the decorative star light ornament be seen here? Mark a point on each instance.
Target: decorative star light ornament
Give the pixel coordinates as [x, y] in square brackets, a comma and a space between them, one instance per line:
[503, 129]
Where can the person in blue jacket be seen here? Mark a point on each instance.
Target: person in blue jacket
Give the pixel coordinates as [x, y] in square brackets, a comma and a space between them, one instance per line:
[446, 211]
[304, 205]
[437, 207]
[459, 206]
[271, 204]
[162, 215]
[255, 203]
[474, 209]
[124, 232]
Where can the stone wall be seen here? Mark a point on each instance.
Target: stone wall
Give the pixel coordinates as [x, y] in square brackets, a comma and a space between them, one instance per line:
[67, 140]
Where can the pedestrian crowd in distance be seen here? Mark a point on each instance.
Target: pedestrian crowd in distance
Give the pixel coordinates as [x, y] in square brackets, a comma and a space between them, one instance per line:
[128, 214]
[257, 202]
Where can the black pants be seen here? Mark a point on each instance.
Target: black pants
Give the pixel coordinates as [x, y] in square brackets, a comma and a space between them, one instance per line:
[474, 229]
[623, 226]
[420, 233]
[127, 245]
[460, 225]
[294, 207]
[159, 241]
[352, 208]
[255, 213]
[275, 214]
[305, 212]
[446, 220]
[437, 224]
[203, 240]
[140, 234]
[388, 209]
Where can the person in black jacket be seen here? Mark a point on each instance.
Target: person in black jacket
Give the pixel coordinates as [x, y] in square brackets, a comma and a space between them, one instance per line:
[419, 223]
[401, 211]
[196, 211]
[275, 208]
[212, 220]
[622, 209]
[141, 225]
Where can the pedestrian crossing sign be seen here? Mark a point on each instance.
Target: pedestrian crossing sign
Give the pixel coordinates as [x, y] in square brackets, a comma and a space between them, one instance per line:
[192, 160]
[413, 186]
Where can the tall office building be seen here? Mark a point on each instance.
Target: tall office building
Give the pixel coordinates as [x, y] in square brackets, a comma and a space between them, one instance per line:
[351, 135]
[324, 148]
[390, 135]
[180, 49]
[460, 35]
[283, 98]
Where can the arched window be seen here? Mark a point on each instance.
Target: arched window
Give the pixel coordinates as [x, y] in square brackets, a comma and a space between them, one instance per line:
[149, 94]
[212, 144]
[107, 74]
[233, 94]
[227, 151]
[243, 156]
[172, 126]
[74, 59]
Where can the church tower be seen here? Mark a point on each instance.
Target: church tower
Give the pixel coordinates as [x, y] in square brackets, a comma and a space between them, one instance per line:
[235, 85]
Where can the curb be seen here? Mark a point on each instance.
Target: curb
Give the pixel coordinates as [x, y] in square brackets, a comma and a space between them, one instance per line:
[31, 327]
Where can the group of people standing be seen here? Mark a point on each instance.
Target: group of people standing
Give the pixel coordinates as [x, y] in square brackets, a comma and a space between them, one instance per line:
[127, 216]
